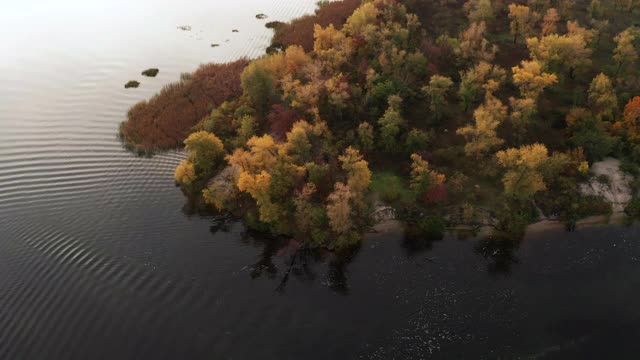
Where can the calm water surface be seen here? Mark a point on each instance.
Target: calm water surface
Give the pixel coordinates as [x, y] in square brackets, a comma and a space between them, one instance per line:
[99, 259]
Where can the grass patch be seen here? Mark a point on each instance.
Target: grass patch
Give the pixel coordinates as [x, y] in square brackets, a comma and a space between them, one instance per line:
[391, 188]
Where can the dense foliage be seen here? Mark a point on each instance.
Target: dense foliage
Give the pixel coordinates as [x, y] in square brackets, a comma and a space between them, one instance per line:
[482, 105]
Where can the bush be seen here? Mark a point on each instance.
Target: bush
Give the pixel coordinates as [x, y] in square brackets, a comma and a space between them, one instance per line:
[391, 188]
[165, 120]
[633, 209]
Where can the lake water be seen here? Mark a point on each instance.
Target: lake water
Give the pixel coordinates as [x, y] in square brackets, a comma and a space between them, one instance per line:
[99, 259]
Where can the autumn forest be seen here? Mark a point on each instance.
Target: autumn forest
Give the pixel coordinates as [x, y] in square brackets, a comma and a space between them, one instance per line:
[451, 113]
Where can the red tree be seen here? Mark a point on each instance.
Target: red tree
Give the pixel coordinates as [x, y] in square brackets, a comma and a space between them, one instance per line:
[165, 120]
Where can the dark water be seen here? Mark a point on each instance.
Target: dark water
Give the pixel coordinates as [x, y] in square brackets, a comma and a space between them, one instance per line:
[99, 260]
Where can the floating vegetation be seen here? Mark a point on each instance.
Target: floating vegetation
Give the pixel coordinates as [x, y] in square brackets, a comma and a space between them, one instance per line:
[185, 27]
[261, 16]
[215, 45]
[132, 84]
[152, 72]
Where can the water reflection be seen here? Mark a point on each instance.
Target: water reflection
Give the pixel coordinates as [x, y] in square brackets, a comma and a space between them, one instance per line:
[500, 254]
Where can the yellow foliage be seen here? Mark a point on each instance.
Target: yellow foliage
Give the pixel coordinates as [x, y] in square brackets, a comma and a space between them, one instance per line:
[583, 168]
[365, 15]
[523, 20]
[523, 177]
[422, 177]
[530, 79]
[185, 173]
[482, 136]
[358, 173]
[331, 45]
[295, 59]
[550, 22]
[339, 209]
[566, 51]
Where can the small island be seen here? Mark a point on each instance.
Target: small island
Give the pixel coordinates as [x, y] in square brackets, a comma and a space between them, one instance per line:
[131, 84]
[483, 115]
[152, 72]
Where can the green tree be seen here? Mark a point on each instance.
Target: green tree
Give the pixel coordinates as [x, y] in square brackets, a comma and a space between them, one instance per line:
[366, 137]
[437, 90]
[206, 153]
[391, 124]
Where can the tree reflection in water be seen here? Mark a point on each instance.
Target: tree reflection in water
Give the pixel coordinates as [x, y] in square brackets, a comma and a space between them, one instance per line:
[283, 258]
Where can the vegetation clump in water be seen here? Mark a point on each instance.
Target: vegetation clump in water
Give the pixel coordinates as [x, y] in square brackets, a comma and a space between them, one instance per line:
[131, 84]
[152, 72]
[495, 120]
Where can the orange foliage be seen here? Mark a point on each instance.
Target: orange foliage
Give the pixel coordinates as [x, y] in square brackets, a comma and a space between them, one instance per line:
[300, 31]
[165, 120]
[632, 118]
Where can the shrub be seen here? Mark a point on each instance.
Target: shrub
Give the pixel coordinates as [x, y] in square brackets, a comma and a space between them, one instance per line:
[166, 119]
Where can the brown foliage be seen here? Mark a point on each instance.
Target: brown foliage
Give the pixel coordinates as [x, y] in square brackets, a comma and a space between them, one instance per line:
[281, 119]
[300, 31]
[164, 121]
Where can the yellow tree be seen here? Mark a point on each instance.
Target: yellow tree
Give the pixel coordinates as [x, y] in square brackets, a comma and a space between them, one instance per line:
[561, 52]
[473, 80]
[304, 208]
[473, 44]
[295, 59]
[205, 152]
[574, 29]
[550, 22]
[437, 90]
[339, 209]
[522, 112]
[523, 177]
[523, 21]
[531, 80]
[625, 53]
[479, 10]
[358, 173]
[185, 173]
[602, 98]
[331, 45]
[423, 178]
[482, 136]
[362, 17]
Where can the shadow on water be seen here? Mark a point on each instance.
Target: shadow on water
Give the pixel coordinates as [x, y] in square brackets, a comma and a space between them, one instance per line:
[283, 258]
[500, 254]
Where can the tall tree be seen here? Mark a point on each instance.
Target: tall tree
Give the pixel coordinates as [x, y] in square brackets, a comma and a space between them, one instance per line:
[482, 136]
[625, 53]
[391, 124]
[565, 53]
[423, 178]
[523, 177]
[531, 80]
[523, 21]
[602, 98]
[550, 22]
[437, 90]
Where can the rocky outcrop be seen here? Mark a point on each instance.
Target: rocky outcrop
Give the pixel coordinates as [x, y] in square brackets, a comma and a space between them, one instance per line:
[383, 213]
[617, 187]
